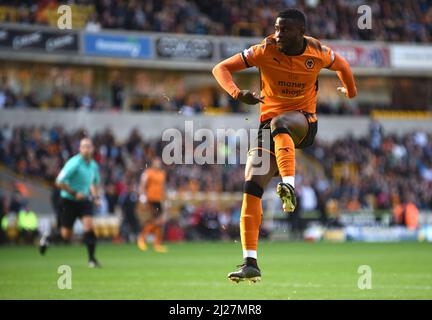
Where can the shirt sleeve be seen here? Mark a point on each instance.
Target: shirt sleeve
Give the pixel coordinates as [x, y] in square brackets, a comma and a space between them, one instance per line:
[96, 177]
[67, 171]
[223, 74]
[328, 57]
[253, 56]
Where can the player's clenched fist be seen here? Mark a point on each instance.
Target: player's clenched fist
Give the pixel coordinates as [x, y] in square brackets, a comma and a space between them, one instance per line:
[344, 92]
[248, 97]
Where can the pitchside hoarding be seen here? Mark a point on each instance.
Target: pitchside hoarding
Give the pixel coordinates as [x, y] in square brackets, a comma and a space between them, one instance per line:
[120, 46]
[206, 50]
[185, 48]
[411, 57]
[39, 40]
[229, 48]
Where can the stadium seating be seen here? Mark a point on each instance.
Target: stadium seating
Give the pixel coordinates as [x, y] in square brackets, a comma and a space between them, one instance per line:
[244, 17]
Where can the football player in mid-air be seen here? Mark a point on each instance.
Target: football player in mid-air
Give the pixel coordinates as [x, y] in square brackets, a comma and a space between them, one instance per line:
[289, 63]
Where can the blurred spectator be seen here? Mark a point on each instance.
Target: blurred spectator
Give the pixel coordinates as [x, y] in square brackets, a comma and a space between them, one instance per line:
[376, 133]
[308, 196]
[2, 214]
[8, 226]
[27, 225]
[233, 228]
[93, 25]
[56, 205]
[14, 203]
[174, 232]
[130, 227]
[209, 225]
[188, 221]
[117, 94]
[2, 98]
[406, 214]
[224, 221]
[333, 213]
[295, 220]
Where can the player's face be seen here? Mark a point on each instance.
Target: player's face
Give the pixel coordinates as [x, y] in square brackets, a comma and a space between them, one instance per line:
[86, 148]
[156, 163]
[287, 32]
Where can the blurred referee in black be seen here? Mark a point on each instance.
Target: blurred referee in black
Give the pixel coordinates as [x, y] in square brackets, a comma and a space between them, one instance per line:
[79, 183]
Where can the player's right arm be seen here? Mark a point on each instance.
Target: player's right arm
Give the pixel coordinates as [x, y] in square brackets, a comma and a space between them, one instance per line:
[64, 176]
[223, 73]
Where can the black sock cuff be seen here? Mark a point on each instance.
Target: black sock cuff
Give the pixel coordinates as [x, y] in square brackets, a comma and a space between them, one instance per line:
[252, 188]
[251, 262]
[280, 130]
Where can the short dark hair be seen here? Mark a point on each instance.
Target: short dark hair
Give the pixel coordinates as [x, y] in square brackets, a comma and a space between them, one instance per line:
[294, 14]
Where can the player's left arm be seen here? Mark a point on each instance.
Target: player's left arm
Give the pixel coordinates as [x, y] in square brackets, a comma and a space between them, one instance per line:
[345, 75]
[143, 187]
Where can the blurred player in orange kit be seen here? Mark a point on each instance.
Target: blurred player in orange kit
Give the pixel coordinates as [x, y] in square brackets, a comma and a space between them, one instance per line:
[289, 63]
[152, 192]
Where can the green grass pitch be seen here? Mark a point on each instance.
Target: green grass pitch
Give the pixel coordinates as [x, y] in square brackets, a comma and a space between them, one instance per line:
[198, 271]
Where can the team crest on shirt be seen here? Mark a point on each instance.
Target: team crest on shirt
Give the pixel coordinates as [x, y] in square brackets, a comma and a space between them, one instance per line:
[309, 63]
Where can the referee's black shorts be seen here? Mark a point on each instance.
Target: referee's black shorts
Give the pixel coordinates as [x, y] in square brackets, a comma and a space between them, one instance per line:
[72, 209]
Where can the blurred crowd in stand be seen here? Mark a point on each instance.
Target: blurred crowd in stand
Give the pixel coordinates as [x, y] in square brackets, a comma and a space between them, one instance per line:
[401, 20]
[377, 172]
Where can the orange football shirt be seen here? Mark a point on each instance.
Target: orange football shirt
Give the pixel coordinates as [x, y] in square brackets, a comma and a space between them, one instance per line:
[155, 187]
[288, 82]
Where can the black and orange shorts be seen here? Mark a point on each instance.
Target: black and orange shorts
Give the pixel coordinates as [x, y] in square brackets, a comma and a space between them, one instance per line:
[307, 141]
[156, 208]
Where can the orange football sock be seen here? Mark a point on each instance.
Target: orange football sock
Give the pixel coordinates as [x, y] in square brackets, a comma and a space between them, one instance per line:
[157, 231]
[148, 228]
[285, 154]
[250, 221]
